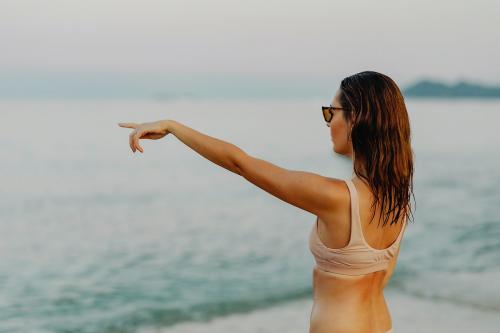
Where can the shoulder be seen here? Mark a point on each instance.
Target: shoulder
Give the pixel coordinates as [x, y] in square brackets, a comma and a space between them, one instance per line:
[338, 197]
[339, 189]
[306, 190]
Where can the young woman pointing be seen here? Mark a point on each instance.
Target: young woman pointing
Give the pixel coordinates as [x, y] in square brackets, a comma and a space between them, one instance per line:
[355, 258]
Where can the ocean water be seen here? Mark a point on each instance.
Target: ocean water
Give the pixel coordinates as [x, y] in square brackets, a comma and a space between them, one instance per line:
[96, 239]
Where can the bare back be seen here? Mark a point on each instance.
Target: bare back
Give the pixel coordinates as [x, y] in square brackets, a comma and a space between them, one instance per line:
[344, 303]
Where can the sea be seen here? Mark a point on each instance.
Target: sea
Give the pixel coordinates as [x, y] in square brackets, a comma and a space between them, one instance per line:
[97, 239]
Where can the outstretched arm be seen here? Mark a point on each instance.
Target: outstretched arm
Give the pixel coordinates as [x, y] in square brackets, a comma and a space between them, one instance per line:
[220, 152]
[308, 191]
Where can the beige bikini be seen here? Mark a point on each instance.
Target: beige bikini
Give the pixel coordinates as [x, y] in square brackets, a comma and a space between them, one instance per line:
[357, 258]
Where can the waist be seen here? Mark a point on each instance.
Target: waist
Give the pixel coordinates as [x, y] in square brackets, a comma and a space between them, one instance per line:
[326, 318]
[360, 289]
[348, 304]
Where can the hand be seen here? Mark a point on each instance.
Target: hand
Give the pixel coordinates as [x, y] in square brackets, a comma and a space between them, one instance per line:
[152, 130]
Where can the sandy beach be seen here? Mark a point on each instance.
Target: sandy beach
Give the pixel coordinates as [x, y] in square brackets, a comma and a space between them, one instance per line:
[409, 315]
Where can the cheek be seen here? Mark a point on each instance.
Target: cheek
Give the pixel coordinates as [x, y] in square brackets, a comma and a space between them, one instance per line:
[334, 129]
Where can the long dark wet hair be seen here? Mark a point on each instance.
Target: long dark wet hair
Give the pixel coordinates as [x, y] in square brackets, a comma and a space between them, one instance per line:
[380, 134]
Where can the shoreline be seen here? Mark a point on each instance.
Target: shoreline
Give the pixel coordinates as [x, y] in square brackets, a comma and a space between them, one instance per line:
[409, 315]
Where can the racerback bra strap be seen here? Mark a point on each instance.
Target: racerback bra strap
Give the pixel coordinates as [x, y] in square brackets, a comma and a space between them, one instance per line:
[356, 231]
[356, 228]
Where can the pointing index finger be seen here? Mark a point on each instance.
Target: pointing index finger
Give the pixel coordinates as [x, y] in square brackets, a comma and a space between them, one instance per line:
[128, 125]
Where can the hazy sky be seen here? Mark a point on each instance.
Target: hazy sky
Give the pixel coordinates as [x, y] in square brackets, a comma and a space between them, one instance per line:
[292, 39]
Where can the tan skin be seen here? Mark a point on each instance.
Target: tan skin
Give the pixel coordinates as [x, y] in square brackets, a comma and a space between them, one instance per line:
[342, 303]
[345, 303]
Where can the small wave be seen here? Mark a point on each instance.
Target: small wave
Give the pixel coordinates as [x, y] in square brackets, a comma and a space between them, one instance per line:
[157, 316]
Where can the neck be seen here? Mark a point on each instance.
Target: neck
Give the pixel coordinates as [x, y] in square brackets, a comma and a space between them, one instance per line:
[362, 171]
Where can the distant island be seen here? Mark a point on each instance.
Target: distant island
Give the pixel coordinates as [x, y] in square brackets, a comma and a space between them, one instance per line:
[435, 89]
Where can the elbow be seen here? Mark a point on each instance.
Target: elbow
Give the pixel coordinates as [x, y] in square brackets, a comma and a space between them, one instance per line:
[238, 162]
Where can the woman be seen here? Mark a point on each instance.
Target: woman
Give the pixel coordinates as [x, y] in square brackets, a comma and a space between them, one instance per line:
[354, 258]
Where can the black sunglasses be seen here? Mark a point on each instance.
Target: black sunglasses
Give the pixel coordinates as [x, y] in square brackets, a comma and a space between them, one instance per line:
[328, 113]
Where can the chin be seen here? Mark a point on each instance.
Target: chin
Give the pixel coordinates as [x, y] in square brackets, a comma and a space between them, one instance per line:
[340, 152]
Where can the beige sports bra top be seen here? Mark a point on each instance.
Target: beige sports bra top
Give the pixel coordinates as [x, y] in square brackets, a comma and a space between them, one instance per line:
[357, 258]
